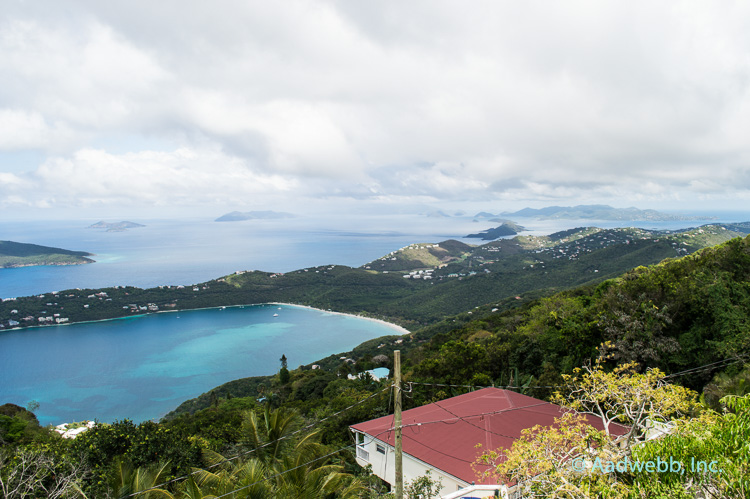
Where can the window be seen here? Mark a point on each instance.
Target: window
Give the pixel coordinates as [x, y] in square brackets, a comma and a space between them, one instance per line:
[380, 448]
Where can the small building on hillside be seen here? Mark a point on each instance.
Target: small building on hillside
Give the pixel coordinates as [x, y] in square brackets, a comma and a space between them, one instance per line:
[441, 437]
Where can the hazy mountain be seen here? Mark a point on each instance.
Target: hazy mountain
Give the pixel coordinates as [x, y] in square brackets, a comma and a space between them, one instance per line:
[237, 216]
[596, 212]
[115, 226]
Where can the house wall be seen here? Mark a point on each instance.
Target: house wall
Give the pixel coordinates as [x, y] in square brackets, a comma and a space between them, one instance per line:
[383, 465]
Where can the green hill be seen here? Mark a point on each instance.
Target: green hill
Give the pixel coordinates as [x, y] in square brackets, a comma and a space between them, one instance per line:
[455, 278]
[14, 254]
[676, 315]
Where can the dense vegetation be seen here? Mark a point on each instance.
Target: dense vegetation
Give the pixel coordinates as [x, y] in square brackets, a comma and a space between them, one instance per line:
[687, 316]
[465, 277]
[14, 254]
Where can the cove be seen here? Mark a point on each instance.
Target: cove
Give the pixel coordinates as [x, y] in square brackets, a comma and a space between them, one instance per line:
[142, 367]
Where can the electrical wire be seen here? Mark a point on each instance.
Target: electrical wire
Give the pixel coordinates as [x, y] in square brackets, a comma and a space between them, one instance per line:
[456, 418]
[244, 453]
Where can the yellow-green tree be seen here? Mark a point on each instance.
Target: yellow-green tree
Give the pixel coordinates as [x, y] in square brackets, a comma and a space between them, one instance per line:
[622, 395]
[572, 459]
[714, 450]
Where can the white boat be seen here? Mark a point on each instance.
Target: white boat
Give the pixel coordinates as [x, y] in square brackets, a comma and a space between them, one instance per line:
[275, 315]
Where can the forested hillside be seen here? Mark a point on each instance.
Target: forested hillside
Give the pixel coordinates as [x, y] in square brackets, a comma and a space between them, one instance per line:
[13, 254]
[688, 316]
[432, 281]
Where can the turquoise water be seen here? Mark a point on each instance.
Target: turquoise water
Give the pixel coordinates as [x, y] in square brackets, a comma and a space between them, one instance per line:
[143, 367]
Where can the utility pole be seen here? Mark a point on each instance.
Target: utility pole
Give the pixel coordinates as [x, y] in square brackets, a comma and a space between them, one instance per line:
[397, 423]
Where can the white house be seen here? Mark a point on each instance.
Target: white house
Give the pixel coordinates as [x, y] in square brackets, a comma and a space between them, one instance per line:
[442, 437]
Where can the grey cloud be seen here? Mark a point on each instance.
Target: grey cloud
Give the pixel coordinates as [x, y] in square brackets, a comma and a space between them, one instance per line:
[512, 101]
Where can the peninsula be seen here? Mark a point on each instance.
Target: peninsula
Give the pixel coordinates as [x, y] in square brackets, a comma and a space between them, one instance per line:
[414, 286]
[14, 254]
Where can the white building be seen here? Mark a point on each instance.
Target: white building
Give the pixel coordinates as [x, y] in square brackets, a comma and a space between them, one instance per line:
[441, 437]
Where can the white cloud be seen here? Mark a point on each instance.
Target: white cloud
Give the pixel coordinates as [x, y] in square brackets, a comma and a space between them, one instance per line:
[181, 177]
[429, 100]
[21, 130]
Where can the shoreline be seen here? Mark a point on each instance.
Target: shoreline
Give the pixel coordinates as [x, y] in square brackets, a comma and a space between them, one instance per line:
[402, 330]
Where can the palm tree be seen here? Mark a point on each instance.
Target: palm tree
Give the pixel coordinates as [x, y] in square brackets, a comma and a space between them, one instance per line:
[271, 434]
[129, 480]
[282, 465]
[308, 474]
[247, 478]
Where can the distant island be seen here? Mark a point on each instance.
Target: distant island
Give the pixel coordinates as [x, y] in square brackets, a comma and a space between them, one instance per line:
[115, 226]
[599, 212]
[506, 229]
[237, 216]
[14, 255]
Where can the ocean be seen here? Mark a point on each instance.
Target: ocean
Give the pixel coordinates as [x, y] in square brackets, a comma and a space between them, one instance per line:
[140, 368]
[191, 251]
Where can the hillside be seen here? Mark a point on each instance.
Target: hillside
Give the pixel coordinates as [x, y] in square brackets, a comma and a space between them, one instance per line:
[687, 315]
[594, 212]
[14, 254]
[448, 278]
[506, 229]
[676, 315]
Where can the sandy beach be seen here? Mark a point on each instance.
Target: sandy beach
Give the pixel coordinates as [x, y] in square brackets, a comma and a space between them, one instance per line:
[398, 328]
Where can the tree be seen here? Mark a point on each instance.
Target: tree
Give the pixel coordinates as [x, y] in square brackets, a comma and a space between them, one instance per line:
[271, 434]
[128, 480]
[542, 461]
[713, 450]
[303, 470]
[38, 473]
[625, 396]
[283, 372]
[571, 458]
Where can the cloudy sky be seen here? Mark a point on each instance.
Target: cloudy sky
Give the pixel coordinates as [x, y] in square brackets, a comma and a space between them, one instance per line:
[176, 107]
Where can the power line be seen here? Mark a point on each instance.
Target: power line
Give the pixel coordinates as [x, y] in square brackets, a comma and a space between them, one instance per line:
[373, 438]
[479, 387]
[438, 451]
[244, 453]
[728, 362]
[472, 424]
[284, 472]
[456, 418]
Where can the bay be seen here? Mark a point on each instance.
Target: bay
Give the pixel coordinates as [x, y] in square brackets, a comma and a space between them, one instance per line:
[142, 367]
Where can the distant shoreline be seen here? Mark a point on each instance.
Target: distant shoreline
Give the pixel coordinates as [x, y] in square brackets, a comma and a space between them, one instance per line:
[400, 329]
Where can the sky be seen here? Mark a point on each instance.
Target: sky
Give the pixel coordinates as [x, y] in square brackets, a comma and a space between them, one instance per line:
[168, 108]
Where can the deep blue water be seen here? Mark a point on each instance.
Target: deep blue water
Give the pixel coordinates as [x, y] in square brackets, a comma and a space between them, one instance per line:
[143, 367]
[194, 251]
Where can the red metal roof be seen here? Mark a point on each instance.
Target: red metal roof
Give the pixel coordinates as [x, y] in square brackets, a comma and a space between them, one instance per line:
[444, 434]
